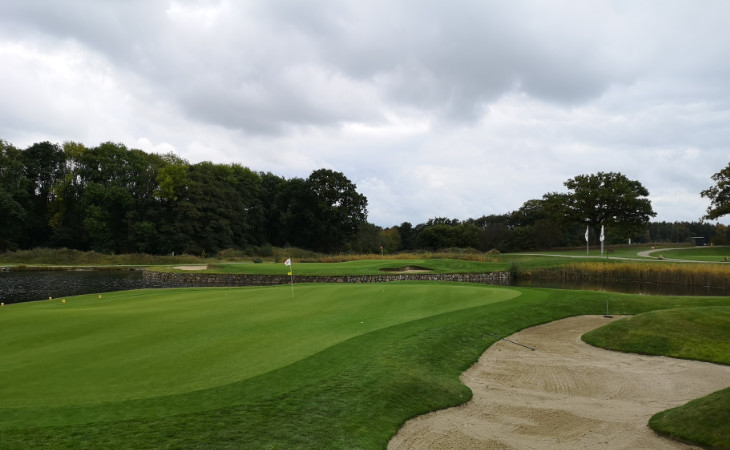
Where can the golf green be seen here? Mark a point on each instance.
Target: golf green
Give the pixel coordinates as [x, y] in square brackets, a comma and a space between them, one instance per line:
[152, 343]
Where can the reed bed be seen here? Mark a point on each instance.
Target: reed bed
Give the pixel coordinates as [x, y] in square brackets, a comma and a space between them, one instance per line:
[709, 275]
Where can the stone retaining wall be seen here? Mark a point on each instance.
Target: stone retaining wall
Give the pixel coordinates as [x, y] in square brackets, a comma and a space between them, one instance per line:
[215, 279]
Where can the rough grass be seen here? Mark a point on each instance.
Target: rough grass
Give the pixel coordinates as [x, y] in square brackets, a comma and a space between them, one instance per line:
[703, 421]
[346, 392]
[690, 333]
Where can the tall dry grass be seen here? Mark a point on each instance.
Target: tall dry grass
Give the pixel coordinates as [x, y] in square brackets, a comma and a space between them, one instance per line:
[712, 275]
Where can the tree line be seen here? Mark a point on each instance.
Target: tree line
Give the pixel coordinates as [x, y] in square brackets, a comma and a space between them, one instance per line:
[116, 200]
[113, 199]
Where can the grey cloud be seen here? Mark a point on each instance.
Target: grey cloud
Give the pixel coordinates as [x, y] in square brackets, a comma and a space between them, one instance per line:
[446, 58]
[530, 90]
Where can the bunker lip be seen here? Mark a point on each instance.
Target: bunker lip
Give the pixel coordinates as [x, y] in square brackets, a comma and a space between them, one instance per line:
[407, 269]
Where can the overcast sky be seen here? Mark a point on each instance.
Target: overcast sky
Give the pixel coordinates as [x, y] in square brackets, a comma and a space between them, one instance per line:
[433, 109]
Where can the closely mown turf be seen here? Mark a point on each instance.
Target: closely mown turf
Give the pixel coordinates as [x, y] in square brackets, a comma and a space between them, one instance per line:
[710, 253]
[150, 343]
[333, 367]
[700, 333]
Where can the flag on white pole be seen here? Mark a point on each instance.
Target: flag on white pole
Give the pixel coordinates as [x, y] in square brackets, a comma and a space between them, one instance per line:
[602, 235]
[287, 262]
[587, 233]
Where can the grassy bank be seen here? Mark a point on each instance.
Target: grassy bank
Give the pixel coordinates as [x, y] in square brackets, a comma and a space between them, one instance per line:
[331, 367]
[689, 333]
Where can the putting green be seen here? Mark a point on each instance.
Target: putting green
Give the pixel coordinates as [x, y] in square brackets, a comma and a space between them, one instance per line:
[150, 343]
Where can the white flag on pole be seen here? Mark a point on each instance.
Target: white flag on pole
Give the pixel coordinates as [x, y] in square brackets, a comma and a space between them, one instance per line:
[602, 235]
[587, 234]
[287, 262]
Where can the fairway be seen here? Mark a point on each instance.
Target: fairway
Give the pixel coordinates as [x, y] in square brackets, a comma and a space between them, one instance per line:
[706, 253]
[150, 343]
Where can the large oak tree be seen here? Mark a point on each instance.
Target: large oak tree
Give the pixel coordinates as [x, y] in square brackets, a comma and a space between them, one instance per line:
[719, 195]
[609, 199]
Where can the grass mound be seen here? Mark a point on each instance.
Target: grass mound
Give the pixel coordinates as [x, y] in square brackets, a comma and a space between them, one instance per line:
[688, 333]
[702, 422]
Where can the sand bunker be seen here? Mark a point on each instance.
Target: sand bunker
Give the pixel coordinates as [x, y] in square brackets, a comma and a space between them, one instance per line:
[190, 267]
[565, 394]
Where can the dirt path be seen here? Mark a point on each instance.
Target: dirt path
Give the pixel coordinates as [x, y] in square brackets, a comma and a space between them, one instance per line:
[565, 394]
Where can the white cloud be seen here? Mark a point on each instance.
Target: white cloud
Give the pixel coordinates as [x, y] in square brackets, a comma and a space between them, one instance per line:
[453, 109]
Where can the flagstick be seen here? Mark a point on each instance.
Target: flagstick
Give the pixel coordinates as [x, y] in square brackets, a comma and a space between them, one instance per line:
[291, 275]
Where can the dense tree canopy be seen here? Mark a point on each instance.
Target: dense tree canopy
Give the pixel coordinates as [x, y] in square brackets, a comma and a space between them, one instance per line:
[113, 199]
[719, 195]
[609, 199]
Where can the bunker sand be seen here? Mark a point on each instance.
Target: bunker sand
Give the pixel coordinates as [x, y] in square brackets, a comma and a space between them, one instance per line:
[565, 394]
[190, 267]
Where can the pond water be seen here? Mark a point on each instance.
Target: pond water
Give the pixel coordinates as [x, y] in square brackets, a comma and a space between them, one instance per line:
[28, 286]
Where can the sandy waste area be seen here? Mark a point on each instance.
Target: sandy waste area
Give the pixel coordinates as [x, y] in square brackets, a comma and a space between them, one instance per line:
[565, 394]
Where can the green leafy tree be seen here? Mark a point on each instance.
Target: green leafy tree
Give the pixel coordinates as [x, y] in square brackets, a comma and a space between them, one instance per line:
[368, 239]
[436, 237]
[323, 212]
[609, 199]
[721, 235]
[44, 165]
[533, 228]
[14, 195]
[719, 195]
[390, 239]
[407, 236]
